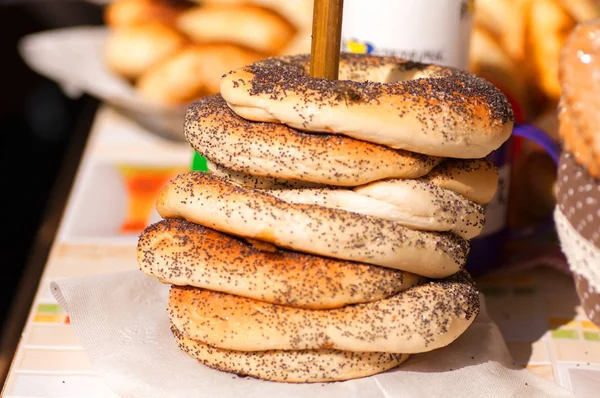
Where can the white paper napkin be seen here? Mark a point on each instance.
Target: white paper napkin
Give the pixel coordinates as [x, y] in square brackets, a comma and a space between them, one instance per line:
[122, 322]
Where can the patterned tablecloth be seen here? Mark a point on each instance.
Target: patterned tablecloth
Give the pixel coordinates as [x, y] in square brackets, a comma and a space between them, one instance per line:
[123, 169]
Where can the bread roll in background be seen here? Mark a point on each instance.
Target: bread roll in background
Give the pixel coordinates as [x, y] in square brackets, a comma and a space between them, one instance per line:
[193, 72]
[132, 50]
[252, 27]
[298, 12]
[505, 21]
[133, 12]
[159, 45]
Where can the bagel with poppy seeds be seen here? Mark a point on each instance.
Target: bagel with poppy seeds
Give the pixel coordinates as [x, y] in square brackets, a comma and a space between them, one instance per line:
[426, 109]
[215, 131]
[473, 179]
[291, 366]
[420, 319]
[415, 204]
[186, 254]
[221, 205]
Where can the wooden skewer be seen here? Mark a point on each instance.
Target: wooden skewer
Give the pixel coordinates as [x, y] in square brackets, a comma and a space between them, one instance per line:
[326, 38]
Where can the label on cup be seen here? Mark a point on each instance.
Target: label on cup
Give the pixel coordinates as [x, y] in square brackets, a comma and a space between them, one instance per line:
[429, 31]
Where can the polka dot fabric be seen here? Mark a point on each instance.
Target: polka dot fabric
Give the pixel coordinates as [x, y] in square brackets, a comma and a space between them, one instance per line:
[584, 261]
[577, 218]
[590, 299]
[579, 198]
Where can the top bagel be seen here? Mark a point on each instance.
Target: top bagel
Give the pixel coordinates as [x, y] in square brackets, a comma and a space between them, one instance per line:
[427, 109]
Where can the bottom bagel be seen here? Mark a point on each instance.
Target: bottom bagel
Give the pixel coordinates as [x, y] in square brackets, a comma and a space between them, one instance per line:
[420, 319]
[299, 366]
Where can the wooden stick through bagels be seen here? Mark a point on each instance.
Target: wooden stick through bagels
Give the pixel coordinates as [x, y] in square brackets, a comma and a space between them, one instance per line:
[326, 38]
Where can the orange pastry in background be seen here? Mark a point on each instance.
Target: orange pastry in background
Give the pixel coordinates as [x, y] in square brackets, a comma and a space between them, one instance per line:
[133, 12]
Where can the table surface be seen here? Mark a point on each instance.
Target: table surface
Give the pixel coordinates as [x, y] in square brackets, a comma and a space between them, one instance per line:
[120, 174]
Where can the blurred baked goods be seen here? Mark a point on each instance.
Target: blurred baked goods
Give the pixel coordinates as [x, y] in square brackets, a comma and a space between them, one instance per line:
[247, 26]
[549, 24]
[516, 44]
[297, 12]
[132, 50]
[505, 20]
[132, 12]
[160, 45]
[193, 72]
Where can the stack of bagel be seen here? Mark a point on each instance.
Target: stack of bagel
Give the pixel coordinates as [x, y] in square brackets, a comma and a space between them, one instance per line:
[329, 239]
[175, 51]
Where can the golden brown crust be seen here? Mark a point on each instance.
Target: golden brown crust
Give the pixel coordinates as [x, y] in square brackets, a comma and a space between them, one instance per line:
[215, 131]
[133, 12]
[192, 72]
[420, 319]
[579, 120]
[186, 254]
[221, 205]
[244, 25]
[297, 366]
[404, 105]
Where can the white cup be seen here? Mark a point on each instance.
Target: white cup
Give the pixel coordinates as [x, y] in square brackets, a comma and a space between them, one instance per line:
[429, 31]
